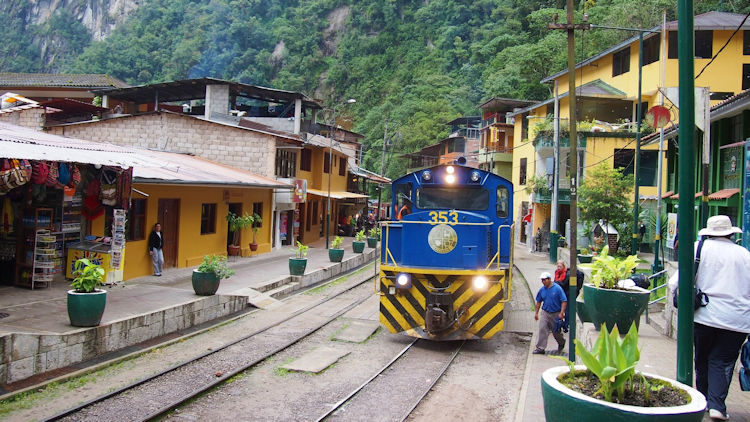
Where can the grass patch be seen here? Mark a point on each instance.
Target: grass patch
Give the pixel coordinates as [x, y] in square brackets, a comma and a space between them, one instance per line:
[282, 372]
[338, 281]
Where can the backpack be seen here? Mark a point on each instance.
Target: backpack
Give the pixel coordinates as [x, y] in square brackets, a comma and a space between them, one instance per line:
[63, 175]
[745, 370]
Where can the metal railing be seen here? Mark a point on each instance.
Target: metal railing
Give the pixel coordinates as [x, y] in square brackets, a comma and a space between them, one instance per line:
[651, 277]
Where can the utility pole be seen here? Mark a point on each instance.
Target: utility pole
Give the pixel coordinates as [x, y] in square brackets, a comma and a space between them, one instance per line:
[686, 218]
[382, 166]
[570, 27]
[553, 232]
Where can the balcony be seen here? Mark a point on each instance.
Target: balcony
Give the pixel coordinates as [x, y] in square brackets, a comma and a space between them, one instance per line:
[495, 154]
[545, 140]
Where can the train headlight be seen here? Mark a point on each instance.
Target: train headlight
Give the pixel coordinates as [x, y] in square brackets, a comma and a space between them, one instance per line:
[475, 176]
[480, 283]
[427, 175]
[450, 179]
[450, 170]
[403, 281]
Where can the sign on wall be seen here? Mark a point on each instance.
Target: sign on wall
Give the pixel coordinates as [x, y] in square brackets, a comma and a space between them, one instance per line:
[671, 229]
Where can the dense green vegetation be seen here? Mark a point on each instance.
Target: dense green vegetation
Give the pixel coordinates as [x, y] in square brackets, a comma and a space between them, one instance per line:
[416, 64]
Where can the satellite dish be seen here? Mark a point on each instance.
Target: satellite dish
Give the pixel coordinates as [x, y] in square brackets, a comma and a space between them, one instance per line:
[461, 161]
[658, 116]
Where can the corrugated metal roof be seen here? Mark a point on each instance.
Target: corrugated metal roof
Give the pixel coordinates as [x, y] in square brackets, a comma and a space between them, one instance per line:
[21, 142]
[324, 142]
[174, 168]
[595, 89]
[81, 80]
[363, 172]
[335, 194]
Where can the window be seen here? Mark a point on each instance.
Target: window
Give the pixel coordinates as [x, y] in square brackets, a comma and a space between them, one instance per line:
[746, 43]
[522, 174]
[136, 223]
[502, 202]
[316, 214]
[453, 198]
[672, 50]
[258, 209]
[327, 163]
[704, 41]
[342, 166]
[651, 47]
[208, 218]
[644, 110]
[624, 159]
[745, 76]
[305, 162]
[286, 163]
[621, 62]
[459, 145]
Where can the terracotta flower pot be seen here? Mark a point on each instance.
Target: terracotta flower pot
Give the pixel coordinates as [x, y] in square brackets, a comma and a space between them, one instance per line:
[233, 250]
[253, 247]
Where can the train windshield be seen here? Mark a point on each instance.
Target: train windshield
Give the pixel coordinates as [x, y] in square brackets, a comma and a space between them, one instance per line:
[453, 198]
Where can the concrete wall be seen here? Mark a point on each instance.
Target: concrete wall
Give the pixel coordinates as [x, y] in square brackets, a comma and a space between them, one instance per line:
[233, 146]
[31, 118]
[25, 355]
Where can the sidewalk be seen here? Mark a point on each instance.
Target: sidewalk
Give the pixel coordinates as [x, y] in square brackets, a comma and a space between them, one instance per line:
[658, 352]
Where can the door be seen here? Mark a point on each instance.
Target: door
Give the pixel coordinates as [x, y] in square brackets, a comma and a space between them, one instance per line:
[234, 207]
[169, 217]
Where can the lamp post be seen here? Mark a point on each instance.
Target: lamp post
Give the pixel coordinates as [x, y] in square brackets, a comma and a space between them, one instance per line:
[639, 115]
[330, 170]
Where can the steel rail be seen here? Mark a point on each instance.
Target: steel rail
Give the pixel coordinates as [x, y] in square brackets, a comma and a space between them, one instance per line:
[341, 402]
[214, 351]
[432, 384]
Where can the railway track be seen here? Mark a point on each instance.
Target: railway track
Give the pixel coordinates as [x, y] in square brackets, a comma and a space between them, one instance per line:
[158, 394]
[399, 386]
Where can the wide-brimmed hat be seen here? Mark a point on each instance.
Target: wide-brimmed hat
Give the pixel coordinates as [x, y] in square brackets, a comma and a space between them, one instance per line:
[545, 275]
[719, 225]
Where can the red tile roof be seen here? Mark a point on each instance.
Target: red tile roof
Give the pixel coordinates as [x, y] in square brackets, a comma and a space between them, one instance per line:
[723, 194]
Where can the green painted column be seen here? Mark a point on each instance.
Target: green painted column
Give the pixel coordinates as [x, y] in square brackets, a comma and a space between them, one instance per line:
[686, 189]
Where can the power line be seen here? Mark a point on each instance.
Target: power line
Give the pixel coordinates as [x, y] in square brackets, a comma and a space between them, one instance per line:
[724, 46]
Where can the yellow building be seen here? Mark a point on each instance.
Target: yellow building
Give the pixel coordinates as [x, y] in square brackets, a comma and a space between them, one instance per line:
[606, 107]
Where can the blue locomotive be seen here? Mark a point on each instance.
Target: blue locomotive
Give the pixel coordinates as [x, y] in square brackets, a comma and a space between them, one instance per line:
[446, 258]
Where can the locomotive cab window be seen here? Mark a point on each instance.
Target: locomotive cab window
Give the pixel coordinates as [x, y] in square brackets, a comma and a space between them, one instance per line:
[463, 198]
[502, 202]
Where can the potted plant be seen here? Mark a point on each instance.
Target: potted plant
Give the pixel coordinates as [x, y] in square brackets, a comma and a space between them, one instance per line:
[608, 301]
[255, 227]
[336, 252]
[359, 242]
[85, 301]
[585, 256]
[298, 263]
[372, 238]
[608, 387]
[209, 273]
[237, 223]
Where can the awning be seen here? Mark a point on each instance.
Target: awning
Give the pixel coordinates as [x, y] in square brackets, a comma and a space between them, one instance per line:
[363, 172]
[336, 194]
[723, 194]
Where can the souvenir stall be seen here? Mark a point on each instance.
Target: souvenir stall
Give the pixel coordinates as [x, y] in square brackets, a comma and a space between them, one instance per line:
[49, 209]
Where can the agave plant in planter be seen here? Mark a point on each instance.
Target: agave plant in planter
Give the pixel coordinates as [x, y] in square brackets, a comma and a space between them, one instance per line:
[208, 275]
[608, 387]
[372, 238]
[359, 242]
[336, 252]
[298, 263]
[85, 301]
[607, 301]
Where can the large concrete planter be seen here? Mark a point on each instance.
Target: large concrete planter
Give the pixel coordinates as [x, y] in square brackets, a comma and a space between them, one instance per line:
[562, 404]
[335, 255]
[372, 242]
[585, 259]
[358, 247]
[614, 306]
[297, 266]
[86, 309]
[205, 284]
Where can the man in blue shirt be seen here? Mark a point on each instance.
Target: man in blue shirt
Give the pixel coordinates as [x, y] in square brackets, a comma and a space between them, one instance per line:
[551, 299]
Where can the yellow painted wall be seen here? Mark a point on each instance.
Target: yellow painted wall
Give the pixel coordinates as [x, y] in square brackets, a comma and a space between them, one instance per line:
[317, 178]
[192, 245]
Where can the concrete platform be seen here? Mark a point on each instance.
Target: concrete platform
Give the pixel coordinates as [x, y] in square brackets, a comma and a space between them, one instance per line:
[357, 331]
[316, 360]
[36, 336]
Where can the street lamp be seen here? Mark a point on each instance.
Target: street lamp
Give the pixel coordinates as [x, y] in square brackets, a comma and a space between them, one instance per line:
[330, 169]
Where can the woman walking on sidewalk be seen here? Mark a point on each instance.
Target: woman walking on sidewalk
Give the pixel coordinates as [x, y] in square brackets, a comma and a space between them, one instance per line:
[155, 246]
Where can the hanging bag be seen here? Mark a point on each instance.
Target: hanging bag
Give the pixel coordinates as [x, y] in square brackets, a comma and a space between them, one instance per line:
[52, 176]
[11, 175]
[39, 171]
[745, 370]
[700, 299]
[63, 176]
[109, 187]
[75, 176]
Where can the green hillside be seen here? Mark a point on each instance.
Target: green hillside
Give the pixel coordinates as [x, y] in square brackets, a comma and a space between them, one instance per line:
[416, 63]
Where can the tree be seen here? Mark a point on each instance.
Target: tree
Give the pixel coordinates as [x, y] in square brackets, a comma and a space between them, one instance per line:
[603, 195]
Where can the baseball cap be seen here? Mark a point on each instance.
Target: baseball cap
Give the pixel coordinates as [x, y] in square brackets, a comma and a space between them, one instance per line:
[545, 275]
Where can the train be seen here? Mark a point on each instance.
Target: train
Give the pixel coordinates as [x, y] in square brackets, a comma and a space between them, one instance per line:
[447, 254]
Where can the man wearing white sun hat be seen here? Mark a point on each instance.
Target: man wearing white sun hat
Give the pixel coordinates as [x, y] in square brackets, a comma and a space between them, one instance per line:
[723, 324]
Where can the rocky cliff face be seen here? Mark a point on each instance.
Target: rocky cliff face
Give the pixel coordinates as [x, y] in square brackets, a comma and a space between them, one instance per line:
[100, 17]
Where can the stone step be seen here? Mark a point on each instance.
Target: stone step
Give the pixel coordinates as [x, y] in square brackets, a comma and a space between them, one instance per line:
[658, 321]
[283, 290]
[268, 285]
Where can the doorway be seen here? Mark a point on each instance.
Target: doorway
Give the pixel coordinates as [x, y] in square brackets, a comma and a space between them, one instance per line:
[236, 208]
[169, 217]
